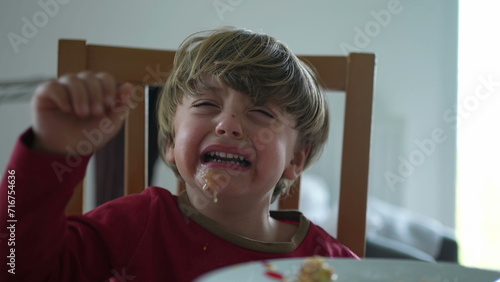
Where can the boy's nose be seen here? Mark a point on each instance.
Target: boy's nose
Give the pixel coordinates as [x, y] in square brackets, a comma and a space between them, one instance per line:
[229, 126]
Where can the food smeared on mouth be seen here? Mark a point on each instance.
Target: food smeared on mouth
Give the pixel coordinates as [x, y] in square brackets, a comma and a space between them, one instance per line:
[210, 185]
[213, 175]
[212, 181]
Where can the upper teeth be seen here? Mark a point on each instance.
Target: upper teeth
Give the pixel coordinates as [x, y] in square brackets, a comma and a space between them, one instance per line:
[226, 155]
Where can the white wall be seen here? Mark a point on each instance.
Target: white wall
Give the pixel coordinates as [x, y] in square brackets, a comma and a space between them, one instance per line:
[416, 51]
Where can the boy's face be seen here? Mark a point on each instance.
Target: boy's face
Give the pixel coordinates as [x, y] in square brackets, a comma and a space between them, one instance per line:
[249, 147]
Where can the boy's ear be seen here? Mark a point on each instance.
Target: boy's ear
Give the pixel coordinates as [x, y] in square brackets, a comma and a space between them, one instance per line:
[296, 165]
[169, 153]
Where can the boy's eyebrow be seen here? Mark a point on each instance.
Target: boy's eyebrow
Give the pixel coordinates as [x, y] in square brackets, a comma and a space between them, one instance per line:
[213, 88]
[209, 85]
[208, 89]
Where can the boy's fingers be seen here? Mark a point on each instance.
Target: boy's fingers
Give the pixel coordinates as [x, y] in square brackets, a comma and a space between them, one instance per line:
[109, 87]
[77, 93]
[52, 93]
[122, 104]
[85, 94]
[94, 92]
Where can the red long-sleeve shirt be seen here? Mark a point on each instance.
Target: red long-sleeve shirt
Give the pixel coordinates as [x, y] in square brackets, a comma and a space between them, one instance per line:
[152, 236]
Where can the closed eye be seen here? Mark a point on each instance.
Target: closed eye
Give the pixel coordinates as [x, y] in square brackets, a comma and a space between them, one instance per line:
[205, 107]
[264, 112]
[204, 103]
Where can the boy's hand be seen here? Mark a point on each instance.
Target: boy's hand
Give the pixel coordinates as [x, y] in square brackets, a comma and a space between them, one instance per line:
[77, 110]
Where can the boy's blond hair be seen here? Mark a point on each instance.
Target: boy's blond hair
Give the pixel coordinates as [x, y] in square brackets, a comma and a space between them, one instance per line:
[255, 64]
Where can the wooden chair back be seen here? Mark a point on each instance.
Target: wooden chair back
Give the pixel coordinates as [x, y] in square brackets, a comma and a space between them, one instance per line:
[352, 74]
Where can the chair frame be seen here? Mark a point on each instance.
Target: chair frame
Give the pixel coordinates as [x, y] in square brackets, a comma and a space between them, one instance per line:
[352, 74]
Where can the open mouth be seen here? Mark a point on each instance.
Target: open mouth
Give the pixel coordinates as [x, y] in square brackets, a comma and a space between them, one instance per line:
[223, 157]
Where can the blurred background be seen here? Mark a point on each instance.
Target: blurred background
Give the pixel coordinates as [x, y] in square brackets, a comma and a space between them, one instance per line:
[435, 139]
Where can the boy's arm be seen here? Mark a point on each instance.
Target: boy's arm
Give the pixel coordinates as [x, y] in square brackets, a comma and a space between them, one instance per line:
[74, 116]
[33, 196]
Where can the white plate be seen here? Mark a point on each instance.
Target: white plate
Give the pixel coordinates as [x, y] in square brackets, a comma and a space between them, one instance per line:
[350, 270]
